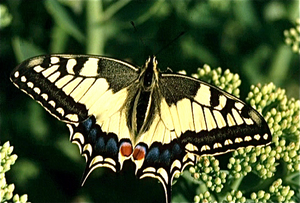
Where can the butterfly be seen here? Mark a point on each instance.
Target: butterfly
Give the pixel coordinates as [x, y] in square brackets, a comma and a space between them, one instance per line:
[161, 121]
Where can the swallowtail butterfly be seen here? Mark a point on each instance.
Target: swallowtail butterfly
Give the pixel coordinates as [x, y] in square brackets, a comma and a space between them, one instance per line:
[162, 121]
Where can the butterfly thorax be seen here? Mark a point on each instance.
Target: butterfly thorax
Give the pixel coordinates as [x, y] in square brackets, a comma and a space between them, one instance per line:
[144, 102]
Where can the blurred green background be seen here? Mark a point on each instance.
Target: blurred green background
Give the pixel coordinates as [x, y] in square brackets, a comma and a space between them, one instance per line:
[243, 36]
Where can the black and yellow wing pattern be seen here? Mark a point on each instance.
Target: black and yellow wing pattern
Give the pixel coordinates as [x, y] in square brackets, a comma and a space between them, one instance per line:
[159, 120]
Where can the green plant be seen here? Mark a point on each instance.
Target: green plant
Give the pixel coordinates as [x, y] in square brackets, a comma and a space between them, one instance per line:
[6, 191]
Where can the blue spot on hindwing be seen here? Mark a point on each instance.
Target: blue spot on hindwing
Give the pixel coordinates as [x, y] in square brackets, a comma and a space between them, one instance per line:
[153, 155]
[111, 146]
[100, 144]
[87, 124]
[92, 135]
[165, 157]
[176, 150]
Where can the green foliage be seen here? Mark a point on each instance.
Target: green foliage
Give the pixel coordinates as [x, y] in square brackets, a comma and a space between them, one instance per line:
[292, 37]
[6, 191]
[247, 36]
[5, 16]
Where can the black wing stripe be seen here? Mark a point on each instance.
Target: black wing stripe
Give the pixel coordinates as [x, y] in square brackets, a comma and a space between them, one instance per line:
[49, 96]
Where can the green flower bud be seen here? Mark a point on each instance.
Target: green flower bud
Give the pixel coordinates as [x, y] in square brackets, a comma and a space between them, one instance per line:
[24, 198]
[261, 194]
[16, 198]
[197, 199]
[206, 194]
[8, 195]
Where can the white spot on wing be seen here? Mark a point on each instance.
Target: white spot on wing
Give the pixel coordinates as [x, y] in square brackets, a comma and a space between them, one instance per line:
[54, 76]
[199, 120]
[257, 136]
[184, 109]
[248, 121]
[210, 122]
[52, 103]
[237, 117]
[203, 95]
[45, 96]
[90, 67]
[38, 68]
[50, 70]
[164, 174]
[247, 138]
[217, 145]
[222, 102]
[204, 148]
[30, 85]
[96, 160]
[70, 65]
[190, 147]
[239, 105]
[16, 74]
[176, 164]
[37, 90]
[77, 138]
[60, 110]
[111, 161]
[230, 120]
[23, 79]
[219, 118]
[88, 148]
[72, 117]
[54, 60]
[63, 81]
[228, 142]
[71, 86]
[238, 140]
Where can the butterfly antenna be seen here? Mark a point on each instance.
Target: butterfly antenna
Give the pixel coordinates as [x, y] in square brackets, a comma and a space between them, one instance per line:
[133, 25]
[171, 42]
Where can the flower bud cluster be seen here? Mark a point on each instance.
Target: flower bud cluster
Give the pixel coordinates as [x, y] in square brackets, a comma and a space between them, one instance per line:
[226, 81]
[6, 191]
[292, 37]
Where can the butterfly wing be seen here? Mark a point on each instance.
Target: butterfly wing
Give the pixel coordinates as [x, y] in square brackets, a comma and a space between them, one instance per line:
[192, 119]
[90, 94]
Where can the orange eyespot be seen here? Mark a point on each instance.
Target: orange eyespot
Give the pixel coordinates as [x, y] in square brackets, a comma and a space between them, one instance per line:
[126, 149]
[139, 153]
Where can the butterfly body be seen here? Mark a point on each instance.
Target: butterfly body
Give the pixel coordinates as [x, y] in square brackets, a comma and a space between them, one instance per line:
[162, 121]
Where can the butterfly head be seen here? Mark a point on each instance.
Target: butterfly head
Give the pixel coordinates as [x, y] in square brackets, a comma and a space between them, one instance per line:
[150, 73]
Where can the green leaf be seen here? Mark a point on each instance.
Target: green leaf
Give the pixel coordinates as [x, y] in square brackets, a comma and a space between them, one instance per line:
[63, 19]
[24, 49]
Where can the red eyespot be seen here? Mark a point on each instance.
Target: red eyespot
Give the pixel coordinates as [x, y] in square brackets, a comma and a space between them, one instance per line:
[139, 153]
[126, 149]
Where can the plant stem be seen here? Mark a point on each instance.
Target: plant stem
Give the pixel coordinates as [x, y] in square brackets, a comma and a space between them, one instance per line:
[95, 32]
